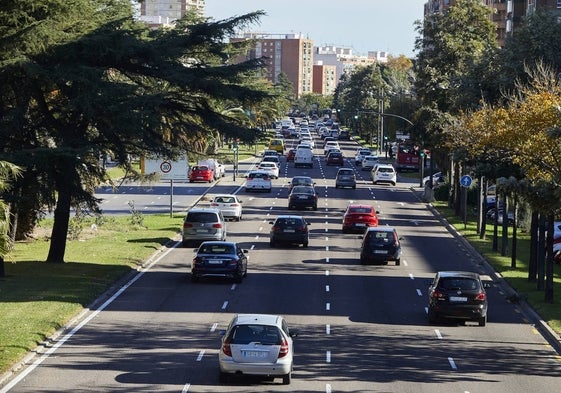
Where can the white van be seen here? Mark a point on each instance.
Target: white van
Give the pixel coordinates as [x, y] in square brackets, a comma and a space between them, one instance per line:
[304, 156]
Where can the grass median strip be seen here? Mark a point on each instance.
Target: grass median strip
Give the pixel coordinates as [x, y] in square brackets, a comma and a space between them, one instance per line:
[37, 298]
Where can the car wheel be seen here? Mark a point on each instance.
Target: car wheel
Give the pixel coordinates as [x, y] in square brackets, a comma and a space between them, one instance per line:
[344, 230]
[397, 262]
[223, 377]
[362, 260]
[271, 243]
[239, 278]
[305, 244]
[483, 320]
[354, 187]
[185, 243]
[315, 207]
[286, 379]
[269, 190]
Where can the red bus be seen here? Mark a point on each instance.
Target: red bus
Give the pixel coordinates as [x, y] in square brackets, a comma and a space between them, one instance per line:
[408, 157]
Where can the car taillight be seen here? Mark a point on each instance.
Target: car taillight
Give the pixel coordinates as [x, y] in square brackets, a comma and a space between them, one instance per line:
[232, 262]
[481, 297]
[217, 225]
[234, 204]
[214, 204]
[437, 294]
[187, 225]
[283, 348]
[226, 347]
[275, 228]
[197, 260]
[301, 229]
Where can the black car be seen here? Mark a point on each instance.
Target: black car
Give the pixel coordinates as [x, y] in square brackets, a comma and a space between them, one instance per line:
[219, 259]
[290, 230]
[457, 295]
[302, 197]
[380, 245]
[344, 136]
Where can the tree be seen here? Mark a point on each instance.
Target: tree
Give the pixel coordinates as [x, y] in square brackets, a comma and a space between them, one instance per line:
[8, 172]
[99, 82]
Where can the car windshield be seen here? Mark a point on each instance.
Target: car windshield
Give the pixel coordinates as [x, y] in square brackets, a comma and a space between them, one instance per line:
[216, 249]
[201, 217]
[464, 283]
[301, 180]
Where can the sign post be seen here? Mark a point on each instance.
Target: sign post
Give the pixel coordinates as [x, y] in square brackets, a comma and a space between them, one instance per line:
[465, 181]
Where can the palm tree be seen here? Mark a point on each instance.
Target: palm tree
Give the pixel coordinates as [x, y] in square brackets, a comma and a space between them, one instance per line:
[8, 172]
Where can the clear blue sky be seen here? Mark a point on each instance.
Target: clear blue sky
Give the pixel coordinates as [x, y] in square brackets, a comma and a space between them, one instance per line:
[365, 25]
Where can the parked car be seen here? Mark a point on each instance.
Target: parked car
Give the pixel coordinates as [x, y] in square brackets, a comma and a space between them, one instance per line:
[380, 245]
[368, 162]
[334, 158]
[303, 197]
[457, 295]
[257, 344]
[219, 259]
[360, 153]
[358, 217]
[202, 224]
[289, 229]
[301, 181]
[201, 173]
[229, 204]
[270, 167]
[258, 181]
[290, 155]
[384, 173]
[345, 178]
[438, 178]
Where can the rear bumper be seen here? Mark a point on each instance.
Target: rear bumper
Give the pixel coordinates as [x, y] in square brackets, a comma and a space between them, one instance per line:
[281, 367]
[459, 311]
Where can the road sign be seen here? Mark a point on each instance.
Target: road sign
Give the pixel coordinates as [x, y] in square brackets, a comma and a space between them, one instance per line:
[465, 181]
[165, 167]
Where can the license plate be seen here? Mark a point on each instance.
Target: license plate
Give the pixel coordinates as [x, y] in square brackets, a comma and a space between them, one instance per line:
[302, 197]
[360, 224]
[289, 230]
[458, 299]
[202, 230]
[254, 354]
[214, 262]
[380, 252]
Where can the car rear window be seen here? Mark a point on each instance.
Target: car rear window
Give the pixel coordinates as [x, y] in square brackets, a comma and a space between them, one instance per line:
[216, 249]
[245, 334]
[257, 176]
[303, 190]
[386, 170]
[362, 210]
[464, 283]
[289, 222]
[201, 217]
[380, 237]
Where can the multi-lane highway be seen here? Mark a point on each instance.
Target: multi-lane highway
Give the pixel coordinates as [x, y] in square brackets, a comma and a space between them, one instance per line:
[361, 328]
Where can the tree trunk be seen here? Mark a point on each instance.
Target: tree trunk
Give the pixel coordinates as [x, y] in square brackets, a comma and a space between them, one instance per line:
[541, 252]
[504, 229]
[532, 263]
[2, 270]
[60, 225]
[548, 297]
[513, 254]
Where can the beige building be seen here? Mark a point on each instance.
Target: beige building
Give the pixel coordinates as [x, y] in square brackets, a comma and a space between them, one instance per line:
[290, 54]
[325, 79]
[165, 12]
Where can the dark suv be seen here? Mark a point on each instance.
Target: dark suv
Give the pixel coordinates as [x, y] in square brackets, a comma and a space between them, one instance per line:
[289, 229]
[380, 245]
[457, 295]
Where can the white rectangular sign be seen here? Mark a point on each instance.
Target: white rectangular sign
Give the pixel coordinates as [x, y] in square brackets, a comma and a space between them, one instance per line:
[167, 169]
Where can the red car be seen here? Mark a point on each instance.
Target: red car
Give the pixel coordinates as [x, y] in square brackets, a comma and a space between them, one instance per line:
[290, 155]
[359, 217]
[201, 173]
[335, 158]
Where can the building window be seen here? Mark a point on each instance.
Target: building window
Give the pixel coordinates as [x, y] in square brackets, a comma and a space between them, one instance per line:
[558, 3]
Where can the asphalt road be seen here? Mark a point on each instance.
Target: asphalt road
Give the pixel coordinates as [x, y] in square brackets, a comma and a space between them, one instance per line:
[361, 328]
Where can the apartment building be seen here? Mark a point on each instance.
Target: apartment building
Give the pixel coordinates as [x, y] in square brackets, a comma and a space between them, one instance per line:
[325, 79]
[290, 54]
[165, 12]
[506, 14]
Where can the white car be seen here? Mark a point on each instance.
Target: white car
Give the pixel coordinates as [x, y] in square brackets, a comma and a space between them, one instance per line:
[384, 173]
[229, 204]
[258, 181]
[368, 162]
[330, 145]
[257, 344]
[360, 153]
[269, 167]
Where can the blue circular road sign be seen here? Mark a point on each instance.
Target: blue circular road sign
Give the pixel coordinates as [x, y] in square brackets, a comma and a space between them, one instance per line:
[465, 181]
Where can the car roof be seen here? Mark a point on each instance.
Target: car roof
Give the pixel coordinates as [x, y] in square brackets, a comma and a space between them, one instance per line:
[219, 242]
[203, 209]
[303, 177]
[359, 205]
[380, 229]
[260, 319]
[384, 166]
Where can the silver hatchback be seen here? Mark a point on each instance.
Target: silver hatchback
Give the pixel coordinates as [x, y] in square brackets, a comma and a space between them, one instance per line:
[203, 224]
[345, 178]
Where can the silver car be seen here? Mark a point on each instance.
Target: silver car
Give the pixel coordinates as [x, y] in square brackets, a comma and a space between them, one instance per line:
[202, 224]
[257, 344]
[345, 178]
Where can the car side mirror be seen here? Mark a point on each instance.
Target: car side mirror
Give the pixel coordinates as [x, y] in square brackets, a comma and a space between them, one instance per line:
[293, 333]
[195, 250]
[245, 251]
[271, 222]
